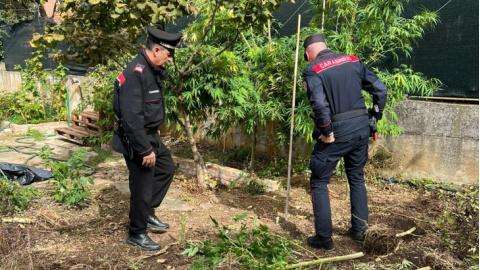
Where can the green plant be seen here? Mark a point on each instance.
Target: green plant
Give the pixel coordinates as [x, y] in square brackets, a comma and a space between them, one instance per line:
[255, 187]
[35, 134]
[41, 97]
[14, 197]
[245, 248]
[458, 223]
[72, 186]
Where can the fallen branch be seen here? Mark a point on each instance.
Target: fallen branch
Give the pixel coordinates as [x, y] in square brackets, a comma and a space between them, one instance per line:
[326, 260]
[425, 268]
[160, 252]
[411, 230]
[18, 220]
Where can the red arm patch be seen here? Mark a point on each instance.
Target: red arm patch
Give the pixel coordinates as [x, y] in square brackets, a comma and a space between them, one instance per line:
[121, 79]
[324, 65]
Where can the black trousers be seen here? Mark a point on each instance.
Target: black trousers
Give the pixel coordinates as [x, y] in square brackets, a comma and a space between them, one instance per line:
[148, 186]
[324, 160]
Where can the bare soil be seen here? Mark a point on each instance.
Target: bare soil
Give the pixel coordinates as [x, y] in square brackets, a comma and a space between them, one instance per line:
[93, 237]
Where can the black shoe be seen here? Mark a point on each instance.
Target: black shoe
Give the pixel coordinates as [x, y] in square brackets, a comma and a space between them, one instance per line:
[357, 236]
[320, 242]
[154, 224]
[143, 241]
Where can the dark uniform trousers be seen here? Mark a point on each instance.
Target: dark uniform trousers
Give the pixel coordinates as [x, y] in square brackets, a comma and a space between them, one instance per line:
[323, 162]
[148, 186]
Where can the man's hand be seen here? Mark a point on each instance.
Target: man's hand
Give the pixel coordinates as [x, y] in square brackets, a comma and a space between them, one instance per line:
[327, 139]
[149, 161]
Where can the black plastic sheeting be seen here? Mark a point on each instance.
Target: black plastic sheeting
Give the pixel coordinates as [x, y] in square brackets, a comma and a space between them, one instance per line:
[24, 175]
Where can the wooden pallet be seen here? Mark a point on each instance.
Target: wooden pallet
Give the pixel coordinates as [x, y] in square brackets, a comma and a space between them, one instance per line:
[83, 126]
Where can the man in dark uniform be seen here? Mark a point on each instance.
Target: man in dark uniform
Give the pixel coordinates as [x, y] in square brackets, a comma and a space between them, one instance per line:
[334, 85]
[139, 107]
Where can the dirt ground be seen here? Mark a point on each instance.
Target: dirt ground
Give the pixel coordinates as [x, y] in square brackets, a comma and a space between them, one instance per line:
[93, 237]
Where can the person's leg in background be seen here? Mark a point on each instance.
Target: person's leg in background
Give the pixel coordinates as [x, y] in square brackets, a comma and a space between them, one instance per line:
[355, 161]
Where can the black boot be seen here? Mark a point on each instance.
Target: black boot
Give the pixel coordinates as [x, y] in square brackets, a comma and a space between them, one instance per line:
[320, 242]
[154, 224]
[357, 236]
[143, 241]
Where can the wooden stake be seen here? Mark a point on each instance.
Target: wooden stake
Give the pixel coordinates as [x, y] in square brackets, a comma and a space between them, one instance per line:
[323, 14]
[326, 260]
[269, 24]
[292, 119]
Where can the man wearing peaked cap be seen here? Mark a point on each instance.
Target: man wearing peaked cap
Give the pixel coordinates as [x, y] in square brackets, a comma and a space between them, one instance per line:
[139, 108]
[334, 85]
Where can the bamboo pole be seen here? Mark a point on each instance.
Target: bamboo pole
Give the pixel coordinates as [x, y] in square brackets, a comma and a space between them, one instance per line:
[269, 25]
[323, 14]
[326, 260]
[292, 119]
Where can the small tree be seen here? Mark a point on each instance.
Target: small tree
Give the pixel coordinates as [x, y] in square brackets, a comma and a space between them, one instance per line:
[95, 30]
[203, 71]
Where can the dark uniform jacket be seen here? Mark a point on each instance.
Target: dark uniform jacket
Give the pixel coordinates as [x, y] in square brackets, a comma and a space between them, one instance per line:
[139, 106]
[334, 83]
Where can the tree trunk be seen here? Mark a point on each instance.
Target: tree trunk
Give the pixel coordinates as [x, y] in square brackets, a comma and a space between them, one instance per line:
[200, 167]
[254, 146]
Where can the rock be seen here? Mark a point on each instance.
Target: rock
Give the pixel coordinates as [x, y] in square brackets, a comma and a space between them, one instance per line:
[4, 125]
[226, 175]
[174, 204]
[123, 187]
[170, 203]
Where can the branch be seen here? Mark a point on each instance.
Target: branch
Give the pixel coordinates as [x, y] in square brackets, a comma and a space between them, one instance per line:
[326, 260]
[411, 230]
[18, 220]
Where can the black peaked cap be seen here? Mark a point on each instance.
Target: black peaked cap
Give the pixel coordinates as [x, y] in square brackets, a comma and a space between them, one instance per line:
[165, 39]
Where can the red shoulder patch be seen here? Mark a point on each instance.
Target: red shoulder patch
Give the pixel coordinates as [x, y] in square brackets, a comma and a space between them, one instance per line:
[324, 65]
[121, 79]
[139, 68]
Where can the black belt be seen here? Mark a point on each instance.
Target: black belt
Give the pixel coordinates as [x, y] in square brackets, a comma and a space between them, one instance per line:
[349, 115]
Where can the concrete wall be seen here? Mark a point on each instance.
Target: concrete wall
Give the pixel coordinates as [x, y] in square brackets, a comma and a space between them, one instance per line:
[440, 141]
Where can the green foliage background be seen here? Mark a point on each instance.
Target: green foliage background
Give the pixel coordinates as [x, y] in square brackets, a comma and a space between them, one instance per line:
[247, 83]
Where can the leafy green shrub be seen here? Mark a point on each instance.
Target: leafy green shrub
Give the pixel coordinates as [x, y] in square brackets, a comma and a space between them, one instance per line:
[40, 99]
[14, 197]
[255, 187]
[72, 186]
[245, 248]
